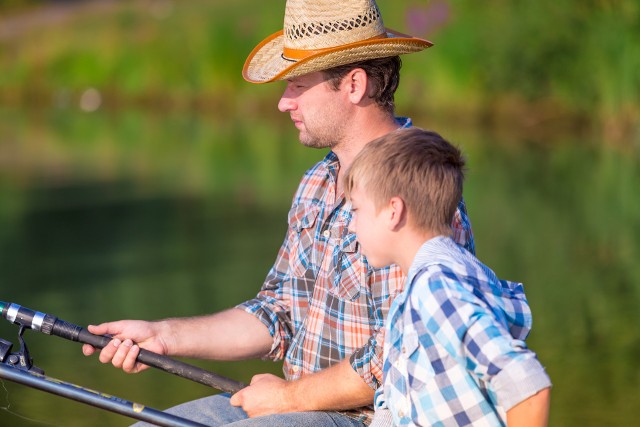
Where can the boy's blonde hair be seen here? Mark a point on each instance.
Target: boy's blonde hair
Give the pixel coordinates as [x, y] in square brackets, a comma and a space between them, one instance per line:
[420, 167]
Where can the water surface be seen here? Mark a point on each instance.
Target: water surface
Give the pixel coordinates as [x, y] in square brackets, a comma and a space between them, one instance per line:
[136, 215]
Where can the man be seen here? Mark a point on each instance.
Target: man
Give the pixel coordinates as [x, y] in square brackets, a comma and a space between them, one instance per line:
[321, 308]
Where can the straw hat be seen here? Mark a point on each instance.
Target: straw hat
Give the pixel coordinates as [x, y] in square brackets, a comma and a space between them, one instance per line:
[321, 34]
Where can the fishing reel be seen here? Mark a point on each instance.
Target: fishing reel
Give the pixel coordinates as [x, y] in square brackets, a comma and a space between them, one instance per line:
[20, 359]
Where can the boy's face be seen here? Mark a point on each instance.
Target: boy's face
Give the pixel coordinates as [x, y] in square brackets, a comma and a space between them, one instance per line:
[370, 228]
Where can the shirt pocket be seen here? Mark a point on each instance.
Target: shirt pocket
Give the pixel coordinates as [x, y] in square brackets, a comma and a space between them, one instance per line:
[302, 220]
[409, 345]
[417, 369]
[350, 269]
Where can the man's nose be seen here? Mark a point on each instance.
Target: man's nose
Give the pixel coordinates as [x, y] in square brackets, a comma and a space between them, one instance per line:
[286, 102]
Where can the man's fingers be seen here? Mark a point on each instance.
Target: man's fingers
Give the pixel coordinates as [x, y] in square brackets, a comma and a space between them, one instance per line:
[88, 350]
[121, 353]
[129, 365]
[98, 329]
[236, 399]
[108, 328]
[107, 353]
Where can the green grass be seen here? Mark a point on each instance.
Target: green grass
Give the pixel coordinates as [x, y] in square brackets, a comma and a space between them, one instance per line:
[553, 60]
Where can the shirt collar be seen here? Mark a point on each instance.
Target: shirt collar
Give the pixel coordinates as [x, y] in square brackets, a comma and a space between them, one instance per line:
[433, 249]
[404, 122]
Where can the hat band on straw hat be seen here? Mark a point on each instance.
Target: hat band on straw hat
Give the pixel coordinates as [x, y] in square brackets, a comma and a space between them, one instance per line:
[320, 34]
[299, 54]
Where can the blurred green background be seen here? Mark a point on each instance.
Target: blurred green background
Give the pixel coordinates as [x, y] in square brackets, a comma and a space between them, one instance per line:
[141, 177]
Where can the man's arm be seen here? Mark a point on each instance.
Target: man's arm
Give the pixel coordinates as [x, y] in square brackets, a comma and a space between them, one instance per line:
[531, 412]
[229, 335]
[334, 388]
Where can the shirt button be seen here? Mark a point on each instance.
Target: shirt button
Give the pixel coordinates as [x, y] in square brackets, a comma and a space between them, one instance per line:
[404, 350]
[295, 369]
[326, 233]
[401, 413]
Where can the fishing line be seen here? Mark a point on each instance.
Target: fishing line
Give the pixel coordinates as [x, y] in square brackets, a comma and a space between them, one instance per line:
[8, 408]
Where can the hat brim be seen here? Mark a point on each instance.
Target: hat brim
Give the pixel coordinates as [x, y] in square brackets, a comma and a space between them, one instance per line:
[266, 62]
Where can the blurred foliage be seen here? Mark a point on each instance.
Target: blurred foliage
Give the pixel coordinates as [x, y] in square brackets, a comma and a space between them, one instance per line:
[147, 215]
[152, 205]
[538, 63]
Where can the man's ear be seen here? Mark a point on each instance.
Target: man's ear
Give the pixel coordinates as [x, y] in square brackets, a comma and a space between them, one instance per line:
[357, 80]
[397, 214]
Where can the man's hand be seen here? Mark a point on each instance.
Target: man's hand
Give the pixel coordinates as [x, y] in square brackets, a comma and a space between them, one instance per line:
[239, 335]
[129, 337]
[335, 388]
[267, 394]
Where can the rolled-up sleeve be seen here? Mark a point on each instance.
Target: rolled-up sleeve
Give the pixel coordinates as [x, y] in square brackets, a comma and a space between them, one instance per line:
[384, 286]
[518, 381]
[367, 361]
[271, 306]
[463, 324]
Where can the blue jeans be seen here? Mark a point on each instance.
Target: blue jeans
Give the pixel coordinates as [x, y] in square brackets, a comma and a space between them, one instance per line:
[217, 411]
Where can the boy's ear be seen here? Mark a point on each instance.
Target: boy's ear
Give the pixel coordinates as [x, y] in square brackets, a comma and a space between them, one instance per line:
[397, 215]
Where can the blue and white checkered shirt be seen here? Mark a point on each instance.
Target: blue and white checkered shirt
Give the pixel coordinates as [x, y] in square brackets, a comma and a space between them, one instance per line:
[454, 347]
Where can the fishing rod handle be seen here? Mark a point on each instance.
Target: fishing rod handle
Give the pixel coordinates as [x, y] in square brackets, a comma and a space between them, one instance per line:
[51, 325]
[168, 364]
[73, 332]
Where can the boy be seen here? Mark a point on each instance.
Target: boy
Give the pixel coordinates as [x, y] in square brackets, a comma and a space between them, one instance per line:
[454, 346]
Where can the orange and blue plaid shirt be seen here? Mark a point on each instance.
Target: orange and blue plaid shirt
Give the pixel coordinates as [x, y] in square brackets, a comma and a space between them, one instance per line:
[321, 300]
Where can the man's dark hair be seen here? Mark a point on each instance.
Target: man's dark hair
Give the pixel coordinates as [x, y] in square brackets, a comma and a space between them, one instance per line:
[384, 73]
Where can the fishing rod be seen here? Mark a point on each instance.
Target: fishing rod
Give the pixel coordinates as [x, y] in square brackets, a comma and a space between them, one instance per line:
[18, 367]
[51, 325]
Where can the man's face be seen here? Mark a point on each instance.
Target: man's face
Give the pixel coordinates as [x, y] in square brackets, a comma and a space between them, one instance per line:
[368, 224]
[317, 110]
